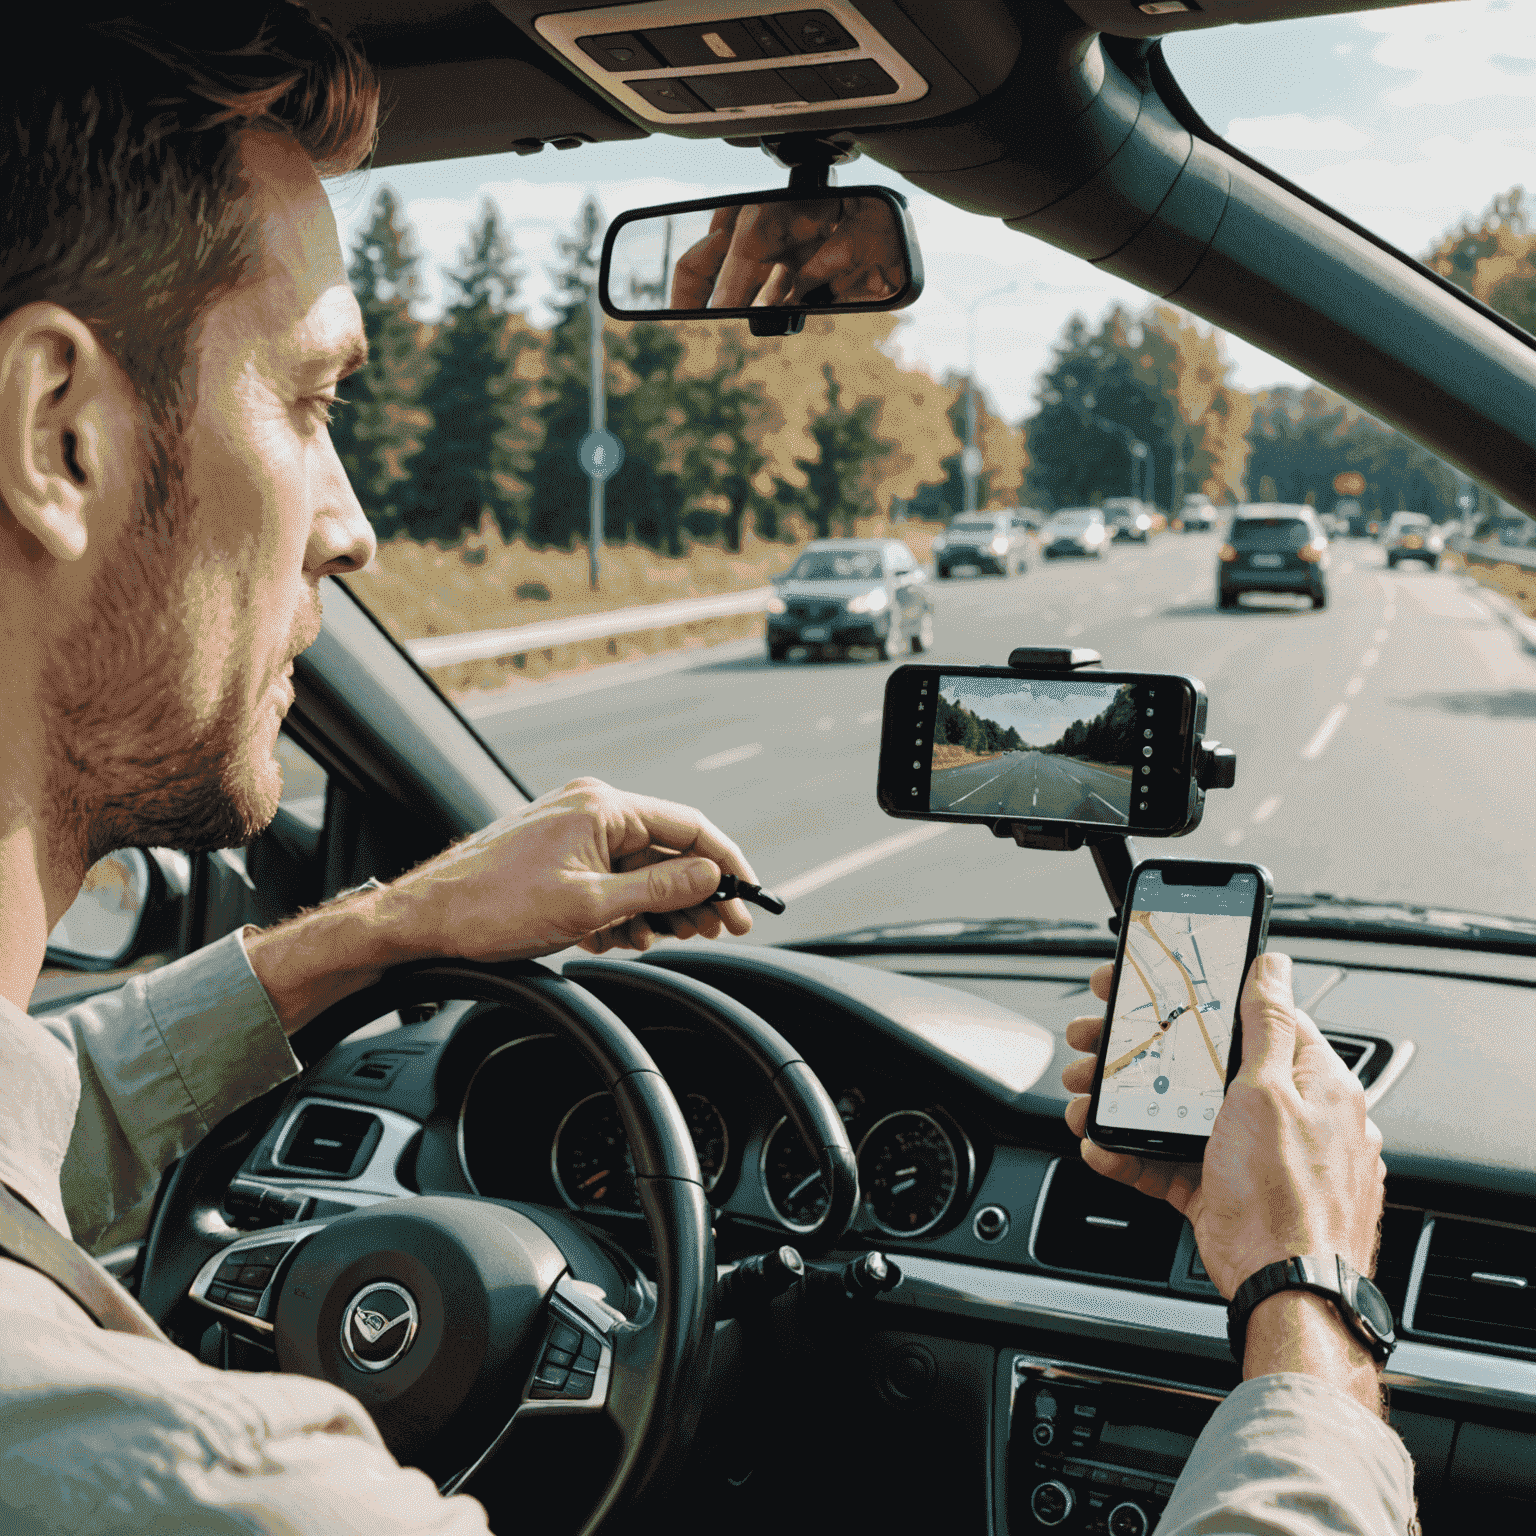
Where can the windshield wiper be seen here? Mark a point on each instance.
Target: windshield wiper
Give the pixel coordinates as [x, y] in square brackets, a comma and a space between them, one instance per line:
[1400, 922]
[970, 935]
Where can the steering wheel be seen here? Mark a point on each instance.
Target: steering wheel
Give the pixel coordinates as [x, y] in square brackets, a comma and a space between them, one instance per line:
[427, 1308]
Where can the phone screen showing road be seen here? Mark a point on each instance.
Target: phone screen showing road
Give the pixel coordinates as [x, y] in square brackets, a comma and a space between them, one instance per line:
[1169, 1039]
[1062, 748]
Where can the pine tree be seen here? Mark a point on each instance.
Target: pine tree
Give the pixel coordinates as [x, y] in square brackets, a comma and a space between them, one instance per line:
[838, 479]
[475, 454]
[376, 429]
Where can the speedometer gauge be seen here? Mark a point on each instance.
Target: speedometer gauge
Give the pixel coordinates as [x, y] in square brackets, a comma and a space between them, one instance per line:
[911, 1170]
[792, 1179]
[590, 1158]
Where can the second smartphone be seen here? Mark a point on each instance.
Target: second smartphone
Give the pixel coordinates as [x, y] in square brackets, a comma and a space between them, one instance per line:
[1189, 931]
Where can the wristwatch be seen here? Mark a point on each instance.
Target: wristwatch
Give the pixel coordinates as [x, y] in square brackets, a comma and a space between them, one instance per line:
[1362, 1306]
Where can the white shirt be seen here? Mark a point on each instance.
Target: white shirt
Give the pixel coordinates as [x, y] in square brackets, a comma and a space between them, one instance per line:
[105, 1433]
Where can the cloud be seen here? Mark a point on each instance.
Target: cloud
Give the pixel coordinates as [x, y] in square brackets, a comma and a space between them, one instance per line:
[1295, 131]
[1469, 50]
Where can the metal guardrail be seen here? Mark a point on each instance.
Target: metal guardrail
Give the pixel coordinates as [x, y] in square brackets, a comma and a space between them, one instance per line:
[1491, 552]
[487, 644]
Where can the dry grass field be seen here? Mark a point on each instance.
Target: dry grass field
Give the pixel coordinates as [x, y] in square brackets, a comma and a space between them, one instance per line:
[947, 756]
[487, 583]
[1516, 583]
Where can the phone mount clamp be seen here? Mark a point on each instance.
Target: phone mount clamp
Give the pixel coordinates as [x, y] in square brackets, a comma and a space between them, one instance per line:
[1114, 855]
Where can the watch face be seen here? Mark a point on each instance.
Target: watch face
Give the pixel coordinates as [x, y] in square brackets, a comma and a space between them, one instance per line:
[1373, 1307]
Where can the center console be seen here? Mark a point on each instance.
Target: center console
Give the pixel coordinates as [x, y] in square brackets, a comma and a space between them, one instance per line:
[1096, 1451]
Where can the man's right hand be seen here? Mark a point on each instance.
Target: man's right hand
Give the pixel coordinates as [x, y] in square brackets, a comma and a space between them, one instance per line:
[1294, 1163]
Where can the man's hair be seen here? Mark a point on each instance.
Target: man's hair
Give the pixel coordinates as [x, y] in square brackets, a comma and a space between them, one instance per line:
[121, 191]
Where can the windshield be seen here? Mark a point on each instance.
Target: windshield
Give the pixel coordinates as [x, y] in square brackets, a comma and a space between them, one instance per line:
[466, 445]
[1270, 532]
[843, 565]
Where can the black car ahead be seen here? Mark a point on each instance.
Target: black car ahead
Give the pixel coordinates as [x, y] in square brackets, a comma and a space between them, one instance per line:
[1272, 548]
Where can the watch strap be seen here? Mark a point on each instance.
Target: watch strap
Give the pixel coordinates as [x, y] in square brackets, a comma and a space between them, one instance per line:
[1324, 1275]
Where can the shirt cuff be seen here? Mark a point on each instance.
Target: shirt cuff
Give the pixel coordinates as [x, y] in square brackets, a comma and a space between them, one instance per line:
[220, 1028]
[1291, 1452]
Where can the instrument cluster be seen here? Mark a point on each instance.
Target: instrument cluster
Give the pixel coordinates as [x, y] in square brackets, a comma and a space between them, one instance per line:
[536, 1125]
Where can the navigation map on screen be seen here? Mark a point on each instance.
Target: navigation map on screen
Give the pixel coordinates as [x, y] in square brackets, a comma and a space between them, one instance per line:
[1166, 1065]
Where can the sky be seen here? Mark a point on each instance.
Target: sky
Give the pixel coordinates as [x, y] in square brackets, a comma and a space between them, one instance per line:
[1039, 711]
[1408, 120]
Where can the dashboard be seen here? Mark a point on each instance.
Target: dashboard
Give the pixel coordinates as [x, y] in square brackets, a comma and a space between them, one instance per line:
[1054, 1329]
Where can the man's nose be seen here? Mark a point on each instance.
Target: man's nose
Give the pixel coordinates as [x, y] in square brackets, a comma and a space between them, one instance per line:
[341, 538]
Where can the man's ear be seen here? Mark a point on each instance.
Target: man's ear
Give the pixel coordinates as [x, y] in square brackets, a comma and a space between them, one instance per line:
[60, 400]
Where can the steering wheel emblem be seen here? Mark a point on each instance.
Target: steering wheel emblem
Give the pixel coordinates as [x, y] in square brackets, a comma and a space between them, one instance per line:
[378, 1325]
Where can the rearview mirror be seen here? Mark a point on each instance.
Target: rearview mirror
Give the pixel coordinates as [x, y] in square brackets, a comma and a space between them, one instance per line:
[788, 252]
[103, 920]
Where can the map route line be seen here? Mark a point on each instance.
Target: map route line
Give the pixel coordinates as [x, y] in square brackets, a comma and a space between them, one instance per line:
[1112, 1067]
[1145, 919]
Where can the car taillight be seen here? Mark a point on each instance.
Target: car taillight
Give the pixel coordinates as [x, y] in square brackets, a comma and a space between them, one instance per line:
[1226, 554]
[1312, 552]
[1413, 541]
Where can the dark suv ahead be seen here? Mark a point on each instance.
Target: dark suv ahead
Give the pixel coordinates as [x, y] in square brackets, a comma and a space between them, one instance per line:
[1273, 548]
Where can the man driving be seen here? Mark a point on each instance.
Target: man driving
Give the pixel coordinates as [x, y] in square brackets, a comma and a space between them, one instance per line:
[175, 321]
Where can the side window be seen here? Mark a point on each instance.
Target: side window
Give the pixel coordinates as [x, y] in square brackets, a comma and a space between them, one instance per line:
[303, 782]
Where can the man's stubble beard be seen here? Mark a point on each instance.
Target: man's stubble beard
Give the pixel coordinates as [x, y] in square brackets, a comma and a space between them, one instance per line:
[132, 765]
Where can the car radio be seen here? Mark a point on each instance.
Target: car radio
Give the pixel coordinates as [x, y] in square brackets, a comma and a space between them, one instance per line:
[1096, 1451]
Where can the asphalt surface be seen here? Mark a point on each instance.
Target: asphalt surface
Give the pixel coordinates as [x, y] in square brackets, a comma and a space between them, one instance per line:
[1032, 784]
[1384, 744]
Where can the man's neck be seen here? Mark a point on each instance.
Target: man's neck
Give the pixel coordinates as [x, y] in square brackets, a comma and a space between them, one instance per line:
[24, 924]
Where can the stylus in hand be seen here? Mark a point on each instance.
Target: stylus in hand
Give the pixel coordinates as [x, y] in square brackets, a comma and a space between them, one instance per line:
[731, 888]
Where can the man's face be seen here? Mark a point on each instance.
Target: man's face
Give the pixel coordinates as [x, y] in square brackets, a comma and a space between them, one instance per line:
[173, 696]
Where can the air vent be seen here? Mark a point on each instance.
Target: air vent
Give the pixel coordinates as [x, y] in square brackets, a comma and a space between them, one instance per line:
[1479, 1284]
[380, 1068]
[1364, 1055]
[1094, 1226]
[329, 1140]
[1400, 1228]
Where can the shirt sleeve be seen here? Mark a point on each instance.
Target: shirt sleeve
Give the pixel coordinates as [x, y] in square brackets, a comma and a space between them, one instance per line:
[161, 1061]
[1292, 1455]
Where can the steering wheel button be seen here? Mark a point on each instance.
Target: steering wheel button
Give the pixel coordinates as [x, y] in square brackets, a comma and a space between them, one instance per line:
[579, 1384]
[559, 1357]
[254, 1277]
[218, 1293]
[242, 1301]
[552, 1376]
[562, 1336]
[591, 1350]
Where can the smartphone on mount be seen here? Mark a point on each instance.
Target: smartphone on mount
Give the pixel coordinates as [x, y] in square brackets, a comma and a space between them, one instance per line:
[1189, 932]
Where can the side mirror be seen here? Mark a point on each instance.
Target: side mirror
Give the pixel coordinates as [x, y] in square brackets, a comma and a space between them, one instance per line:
[130, 900]
[790, 253]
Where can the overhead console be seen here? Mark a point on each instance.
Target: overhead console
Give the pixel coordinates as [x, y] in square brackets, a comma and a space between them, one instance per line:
[740, 68]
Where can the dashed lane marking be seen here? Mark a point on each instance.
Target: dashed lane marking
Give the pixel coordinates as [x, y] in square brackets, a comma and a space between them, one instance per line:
[1370, 658]
[1379, 637]
[1314, 748]
[1267, 809]
[871, 717]
[1142, 613]
[825, 723]
[1233, 838]
[728, 757]
[860, 858]
[1353, 686]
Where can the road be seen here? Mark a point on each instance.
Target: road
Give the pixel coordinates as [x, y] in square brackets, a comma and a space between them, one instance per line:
[1384, 744]
[1033, 784]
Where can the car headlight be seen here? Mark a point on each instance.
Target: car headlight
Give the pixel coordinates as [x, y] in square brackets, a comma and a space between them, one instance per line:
[776, 605]
[939, 542]
[1313, 553]
[1093, 534]
[870, 602]
[999, 546]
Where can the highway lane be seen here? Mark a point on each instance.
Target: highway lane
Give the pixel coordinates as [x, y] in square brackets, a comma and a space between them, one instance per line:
[1032, 784]
[1384, 743]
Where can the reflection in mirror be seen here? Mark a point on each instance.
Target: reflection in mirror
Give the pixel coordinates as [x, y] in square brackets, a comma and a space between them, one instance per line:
[104, 918]
[815, 253]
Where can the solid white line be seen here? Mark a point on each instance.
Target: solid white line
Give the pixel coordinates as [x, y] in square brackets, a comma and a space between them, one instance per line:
[1379, 637]
[860, 858]
[729, 756]
[1353, 686]
[1370, 658]
[1113, 810]
[1268, 809]
[1314, 748]
[871, 716]
[1142, 613]
[1233, 838]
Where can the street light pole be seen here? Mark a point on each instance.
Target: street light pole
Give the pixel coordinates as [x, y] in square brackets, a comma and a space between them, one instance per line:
[970, 458]
[599, 420]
